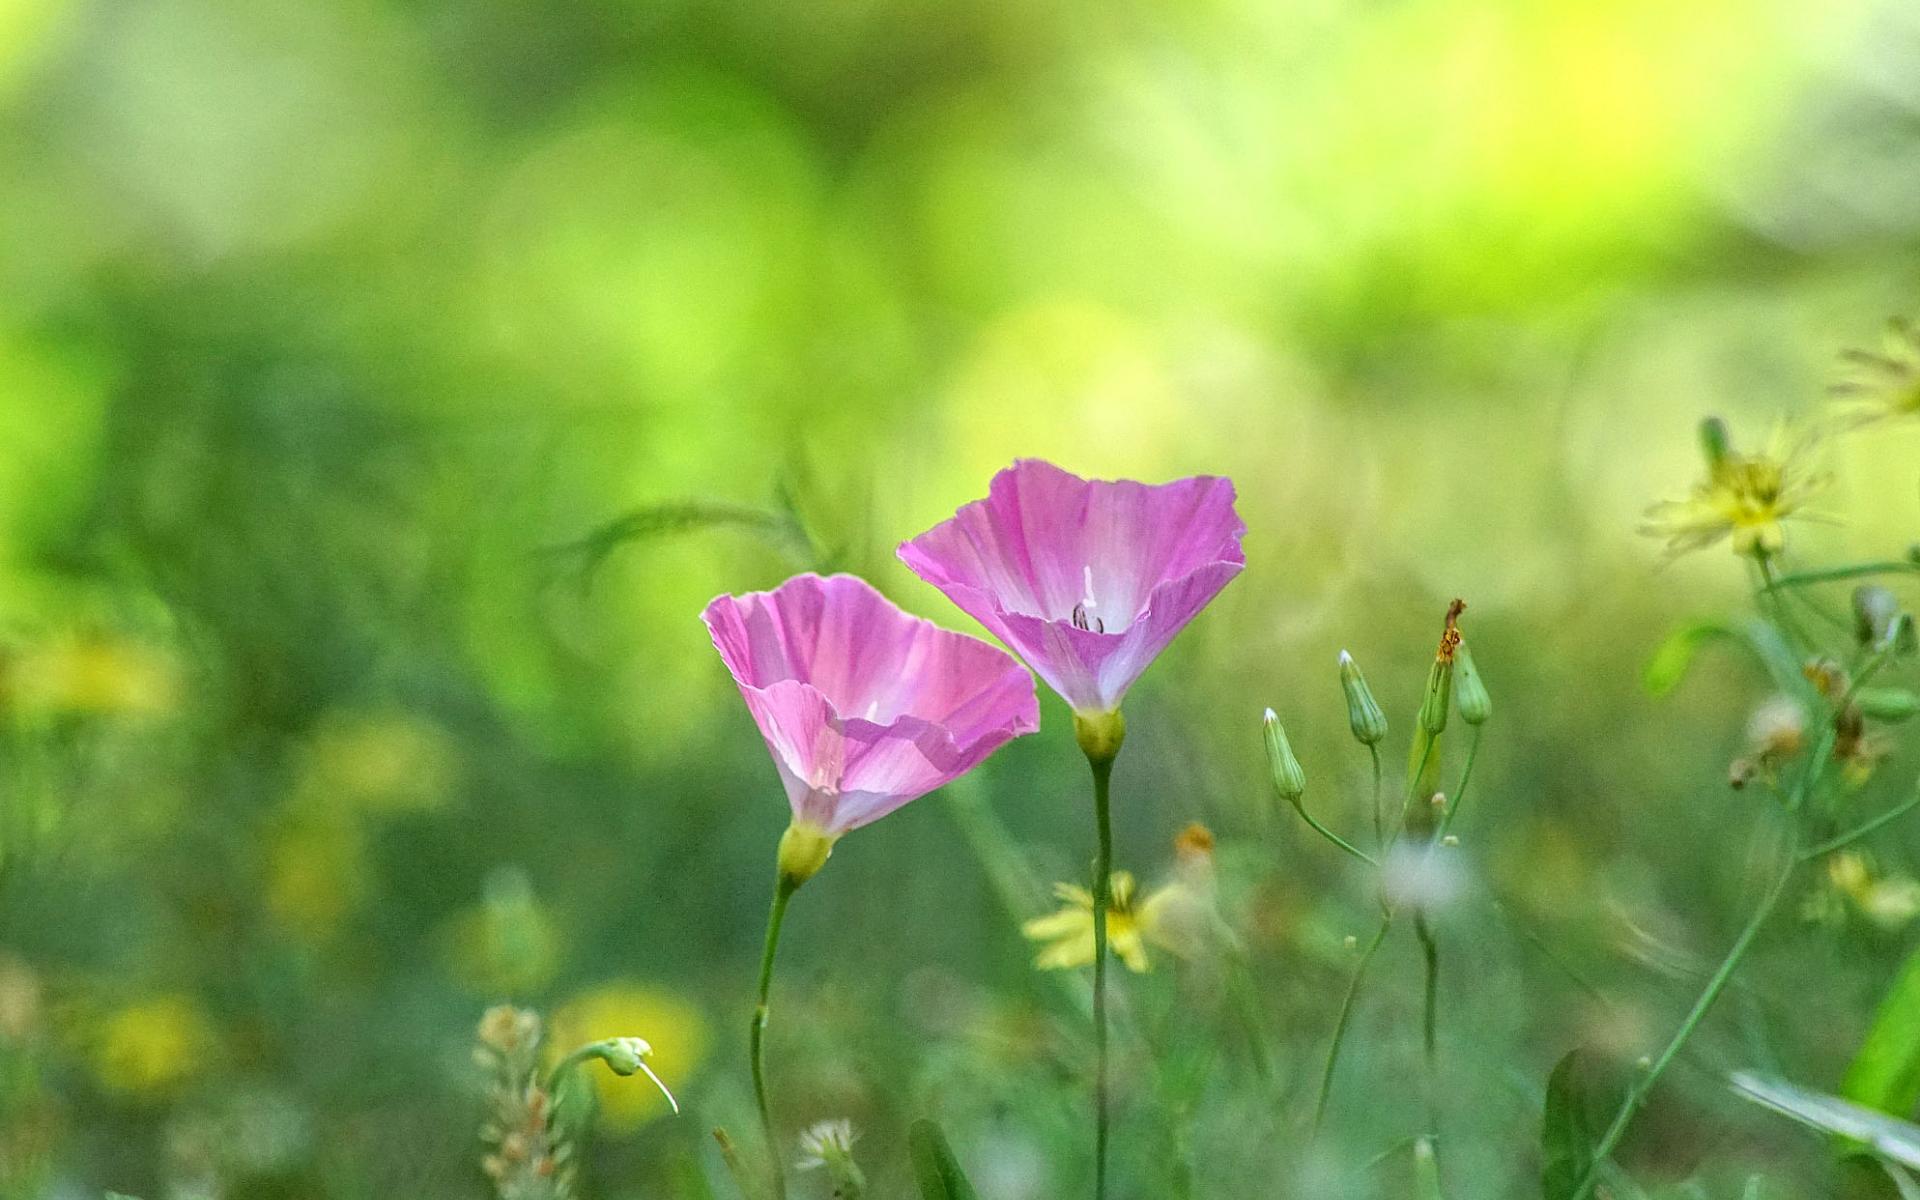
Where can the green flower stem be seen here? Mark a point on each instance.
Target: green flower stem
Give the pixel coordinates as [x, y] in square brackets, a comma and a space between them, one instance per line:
[757, 1036]
[1333, 837]
[1460, 793]
[1643, 1086]
[1838, 574]
[1345, 1019]
[1722, 976]
[1430, 1018]
[1428, 743]
[1102, 889]
[1862, 830]
[1782, 614]
[1379, 812]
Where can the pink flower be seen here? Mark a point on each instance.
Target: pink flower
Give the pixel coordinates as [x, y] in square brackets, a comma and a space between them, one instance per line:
[863, 706]
[1088, 580]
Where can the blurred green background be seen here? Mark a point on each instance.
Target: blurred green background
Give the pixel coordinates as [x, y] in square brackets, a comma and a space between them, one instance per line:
[385, 386]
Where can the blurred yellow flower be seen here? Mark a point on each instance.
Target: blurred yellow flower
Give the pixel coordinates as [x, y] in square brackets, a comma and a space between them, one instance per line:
[1067, 933]
[674, 1028]
[1181, 917]
[378, 762]
[150, 1048]
[1746, 498]
[1882, 386]
[94, 673]
[316, 874]
[1887, 901]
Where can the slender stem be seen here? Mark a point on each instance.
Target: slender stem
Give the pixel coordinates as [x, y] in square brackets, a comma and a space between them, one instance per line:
[1460, 793]
[1430, 1017]
[1836, 574]
[1428, 742]
[1102, 889]
[1862, 830]
[1643, 1086]
[757, 1035]
[1345, 1019]
[1379, 811]
[1783, 615]
[1335, 838]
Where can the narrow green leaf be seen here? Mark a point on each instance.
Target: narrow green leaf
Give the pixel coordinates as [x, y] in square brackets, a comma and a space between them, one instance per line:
[1882, 1134]
[1426, 1171]
[1885, 1073]
[934, 1166]
[1674, 656]
[1567, 1130]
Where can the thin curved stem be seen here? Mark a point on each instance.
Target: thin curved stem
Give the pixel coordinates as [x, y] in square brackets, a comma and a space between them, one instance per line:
[1643, 1086]
[1837, 574]
[1430, 1018]
[1346, 1019]
[1335, 838]
[1460, 793]
[1379, 812]
[757, 1035]
[1862, 830]
[1102, 897]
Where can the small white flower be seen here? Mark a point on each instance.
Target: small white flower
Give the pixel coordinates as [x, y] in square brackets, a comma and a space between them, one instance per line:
[826, 1143]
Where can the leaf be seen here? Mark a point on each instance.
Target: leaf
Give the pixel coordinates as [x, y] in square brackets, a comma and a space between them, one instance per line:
[1674, 656]
[1885, 1072]
[1884, 1135]
[934, 1166]
[1567, 1131]
[1426, 1171]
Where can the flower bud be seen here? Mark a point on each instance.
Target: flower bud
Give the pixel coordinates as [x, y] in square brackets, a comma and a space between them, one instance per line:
[1715, 442]
[1289, 779]
[623, 1055]
[1100, 734]
[1469, 693]
[804, 849]
[1875, 610]
[1364, 717]
[1888, 703]
[1438, 697]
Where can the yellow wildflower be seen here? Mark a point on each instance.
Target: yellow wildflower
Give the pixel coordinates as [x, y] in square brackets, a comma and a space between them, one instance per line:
[1887, 901]
[1067, 932]
[1746, 498]
[150, 1048]
[1178, 917]
[1883, 386]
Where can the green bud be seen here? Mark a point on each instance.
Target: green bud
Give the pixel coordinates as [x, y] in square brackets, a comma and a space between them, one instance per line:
[1364, 717]
[1289, 779]
[804, 849]
[1715, 442]
[1100, 734]
[1875, 612]
[1469, 694]
[1888, 703]
[624, 1056]
[1438, 697]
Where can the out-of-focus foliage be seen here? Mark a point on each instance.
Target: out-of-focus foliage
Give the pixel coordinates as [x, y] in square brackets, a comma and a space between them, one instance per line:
[384, 386]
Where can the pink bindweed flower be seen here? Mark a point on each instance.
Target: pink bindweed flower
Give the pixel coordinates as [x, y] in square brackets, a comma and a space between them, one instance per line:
[1087, 580]
[863, 706]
